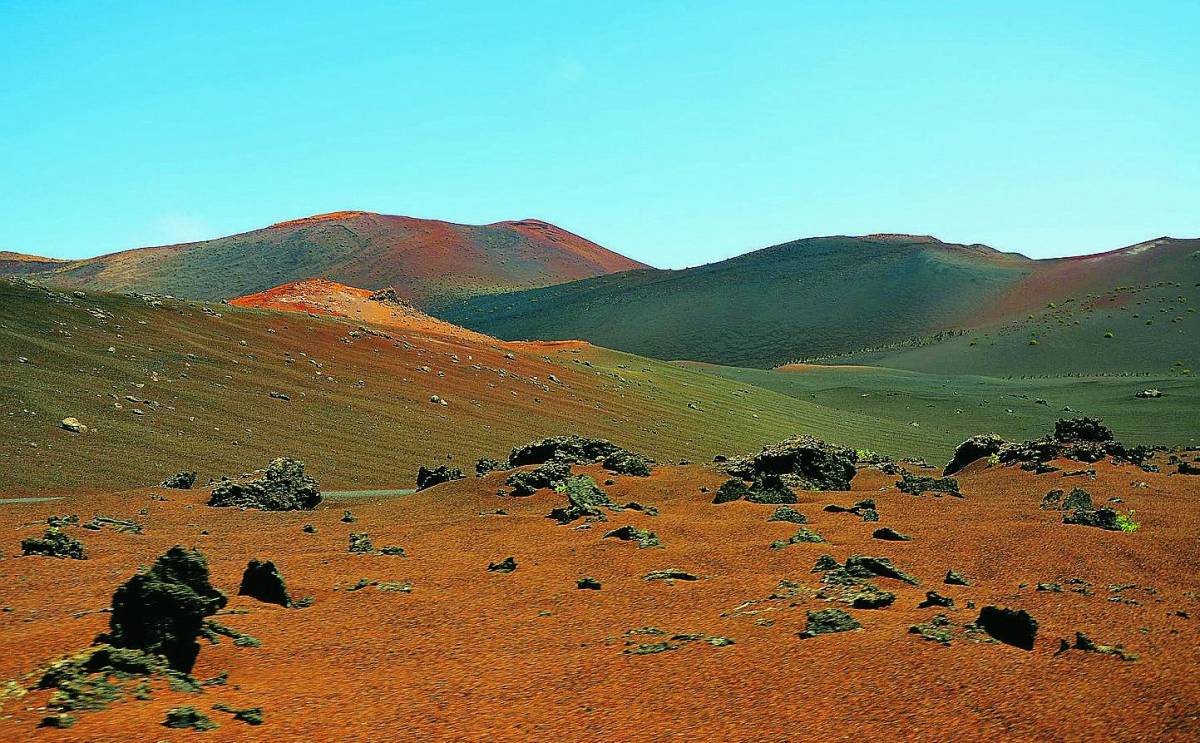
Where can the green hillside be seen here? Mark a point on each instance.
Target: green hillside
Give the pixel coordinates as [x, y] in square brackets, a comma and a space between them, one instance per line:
[889, 300]
[820, 295]
[1149, 329]
[168, 386]
[949, 408]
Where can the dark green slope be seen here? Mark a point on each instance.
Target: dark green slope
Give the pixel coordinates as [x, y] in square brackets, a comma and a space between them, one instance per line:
[807, 297]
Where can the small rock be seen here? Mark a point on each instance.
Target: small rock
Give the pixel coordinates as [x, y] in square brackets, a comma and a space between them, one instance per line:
[887, 533]
[507, 565]
[828, 621]
[933, 598]
[73, 425]
[1010, 626]
[263, 581]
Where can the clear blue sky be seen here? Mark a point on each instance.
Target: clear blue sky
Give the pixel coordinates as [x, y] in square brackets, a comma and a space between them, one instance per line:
[677, 133]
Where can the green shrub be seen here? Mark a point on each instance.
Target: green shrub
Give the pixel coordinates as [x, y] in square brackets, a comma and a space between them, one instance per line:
[1126, 523]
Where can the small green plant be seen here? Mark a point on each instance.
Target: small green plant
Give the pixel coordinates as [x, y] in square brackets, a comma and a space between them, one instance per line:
[1033, 341]
[1108, 334]
[864, 454]
[993, 460]
[1126, 523]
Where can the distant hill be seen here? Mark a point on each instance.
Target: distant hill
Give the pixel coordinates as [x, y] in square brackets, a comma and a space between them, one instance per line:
[1129, 310]
[832, 297]
[427, 261]
[812, 296]
[19, 263]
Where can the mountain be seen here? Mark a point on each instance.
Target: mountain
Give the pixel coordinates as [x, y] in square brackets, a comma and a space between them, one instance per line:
[818, 295]
[19, 263]
[427, 261]
[825, 297]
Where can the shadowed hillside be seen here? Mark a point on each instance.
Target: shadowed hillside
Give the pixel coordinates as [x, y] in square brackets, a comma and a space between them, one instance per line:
[819, 295]
[425, 260]
[830, 298]
[19, 263]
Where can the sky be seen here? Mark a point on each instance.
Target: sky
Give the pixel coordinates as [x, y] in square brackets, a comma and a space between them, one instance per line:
[677, 133]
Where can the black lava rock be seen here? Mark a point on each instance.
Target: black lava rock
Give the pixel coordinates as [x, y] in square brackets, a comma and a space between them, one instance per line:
[263, 581]
[161, 610]
[1011, 626]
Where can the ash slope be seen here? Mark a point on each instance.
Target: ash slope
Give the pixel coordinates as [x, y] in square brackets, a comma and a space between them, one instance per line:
[170, 385]
[818, 297]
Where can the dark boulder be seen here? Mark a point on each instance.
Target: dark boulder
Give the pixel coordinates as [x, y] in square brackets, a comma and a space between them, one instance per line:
[507, 565]
[180, 481]
[263, 581]
[790, 515]
[161, 610]
[865, 566]
[627, 463]
[485, 465]
[549, 475]
[54, 543]
[1102, 518]
[428, 477]
[570, 449]
[282, 486]
[1011, 626]
[771, 489]
[826, 621]
[954, 578]
[889, 534]
[731, 490]
[975, 448]
[918, 484]
[183, 718]
[1081, 429]
[802, 462]
[870, 596]
[933, 598]
[629, 533]
[584, 498]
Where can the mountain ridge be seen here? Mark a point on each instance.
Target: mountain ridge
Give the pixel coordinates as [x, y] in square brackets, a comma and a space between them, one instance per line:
[428, 261]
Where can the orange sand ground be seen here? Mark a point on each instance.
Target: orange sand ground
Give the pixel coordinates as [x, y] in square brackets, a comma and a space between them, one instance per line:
[470, 655]
[324, 297]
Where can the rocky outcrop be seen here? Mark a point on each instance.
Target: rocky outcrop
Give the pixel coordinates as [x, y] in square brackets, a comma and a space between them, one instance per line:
[1081, 439]
[801, 462]
[584, 499]
[161, 610]
[54, 543]
[1010, 626]
[282, 486]
[975, 448]
[428, 477]
[263, 581]
[180, 481]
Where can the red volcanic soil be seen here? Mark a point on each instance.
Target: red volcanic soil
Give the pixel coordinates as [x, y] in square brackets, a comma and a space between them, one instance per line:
[314, 219]
[323, 297]
[428, 261]
[1163, 259]
[474, 655]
